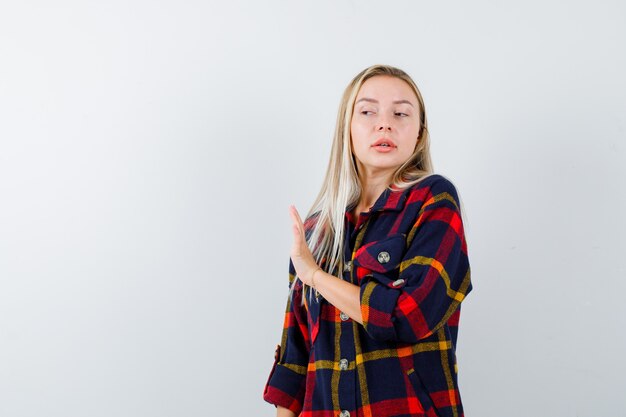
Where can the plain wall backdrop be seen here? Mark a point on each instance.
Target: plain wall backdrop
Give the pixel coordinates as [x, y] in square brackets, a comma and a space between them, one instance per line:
[149, 151]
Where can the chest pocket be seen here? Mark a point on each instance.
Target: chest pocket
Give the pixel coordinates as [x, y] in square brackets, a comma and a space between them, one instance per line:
[381, 260]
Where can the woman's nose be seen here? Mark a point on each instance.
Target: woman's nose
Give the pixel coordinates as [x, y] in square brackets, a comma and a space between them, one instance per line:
[384, 125]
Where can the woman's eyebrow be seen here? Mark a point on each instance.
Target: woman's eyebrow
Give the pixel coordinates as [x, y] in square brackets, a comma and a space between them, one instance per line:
[371, 100]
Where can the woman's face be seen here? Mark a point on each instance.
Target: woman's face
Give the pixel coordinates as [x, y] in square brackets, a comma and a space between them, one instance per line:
[385, 124]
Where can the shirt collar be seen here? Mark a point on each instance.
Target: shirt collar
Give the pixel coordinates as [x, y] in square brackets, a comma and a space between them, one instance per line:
[391, 199]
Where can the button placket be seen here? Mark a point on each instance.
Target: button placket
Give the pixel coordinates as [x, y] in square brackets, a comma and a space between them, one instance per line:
[346, 348]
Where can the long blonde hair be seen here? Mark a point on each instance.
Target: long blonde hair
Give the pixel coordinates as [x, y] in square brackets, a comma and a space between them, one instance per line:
[342, 188]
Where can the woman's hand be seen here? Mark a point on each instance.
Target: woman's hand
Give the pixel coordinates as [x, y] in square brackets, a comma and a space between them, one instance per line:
[342, 294]
[284, 412]
[301, 257]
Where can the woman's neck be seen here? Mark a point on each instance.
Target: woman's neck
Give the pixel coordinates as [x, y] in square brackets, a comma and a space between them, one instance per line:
[371, 188]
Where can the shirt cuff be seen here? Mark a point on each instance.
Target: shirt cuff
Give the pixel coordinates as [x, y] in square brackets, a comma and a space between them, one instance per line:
[286, 386]
[378, 303]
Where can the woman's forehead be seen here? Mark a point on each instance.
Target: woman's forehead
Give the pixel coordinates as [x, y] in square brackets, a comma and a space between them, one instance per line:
[383, 87]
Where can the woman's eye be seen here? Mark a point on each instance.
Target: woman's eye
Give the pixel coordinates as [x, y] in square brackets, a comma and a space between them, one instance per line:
[401, 114]
[366, 112]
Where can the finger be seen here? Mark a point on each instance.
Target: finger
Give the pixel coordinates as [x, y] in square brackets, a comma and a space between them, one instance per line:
[298, 234]
[296, 218]
[294, 214]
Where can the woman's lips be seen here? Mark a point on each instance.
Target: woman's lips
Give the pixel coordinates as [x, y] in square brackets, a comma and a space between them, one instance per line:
[383, 149]
[384, 145]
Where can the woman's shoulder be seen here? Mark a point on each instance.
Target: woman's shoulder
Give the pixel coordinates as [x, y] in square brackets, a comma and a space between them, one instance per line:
[434, 184]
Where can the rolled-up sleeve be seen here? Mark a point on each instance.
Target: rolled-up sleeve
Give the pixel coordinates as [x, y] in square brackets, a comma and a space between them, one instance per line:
[287, 380]
[417, 288]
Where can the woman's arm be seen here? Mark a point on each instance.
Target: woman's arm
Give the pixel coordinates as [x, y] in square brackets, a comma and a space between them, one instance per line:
[433, 272]
[342, 294]
[286, 384]
[284, 412]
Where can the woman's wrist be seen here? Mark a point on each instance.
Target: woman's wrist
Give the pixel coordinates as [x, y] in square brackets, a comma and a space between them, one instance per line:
[312, 280]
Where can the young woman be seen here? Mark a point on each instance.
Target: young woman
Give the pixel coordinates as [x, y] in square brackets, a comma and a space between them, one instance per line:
[377, 271]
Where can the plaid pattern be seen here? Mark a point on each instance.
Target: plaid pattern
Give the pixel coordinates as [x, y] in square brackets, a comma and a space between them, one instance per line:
[409, 257]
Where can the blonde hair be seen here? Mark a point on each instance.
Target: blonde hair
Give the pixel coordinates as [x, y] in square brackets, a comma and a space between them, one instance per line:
[342, 188]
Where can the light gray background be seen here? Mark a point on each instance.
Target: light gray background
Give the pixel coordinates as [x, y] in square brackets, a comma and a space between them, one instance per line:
[149, 151]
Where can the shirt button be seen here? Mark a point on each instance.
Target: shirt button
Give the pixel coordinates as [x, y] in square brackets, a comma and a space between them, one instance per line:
[344, 413]
[383, 257]
[343, 364]
[343, 316]
[397, 282]
[348, 266]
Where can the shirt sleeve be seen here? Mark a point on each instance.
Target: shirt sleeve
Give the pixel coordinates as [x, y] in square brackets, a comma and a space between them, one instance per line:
[408, 293]
[286, 382]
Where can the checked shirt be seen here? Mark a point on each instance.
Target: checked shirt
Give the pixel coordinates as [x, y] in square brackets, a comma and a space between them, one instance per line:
[409, 257]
